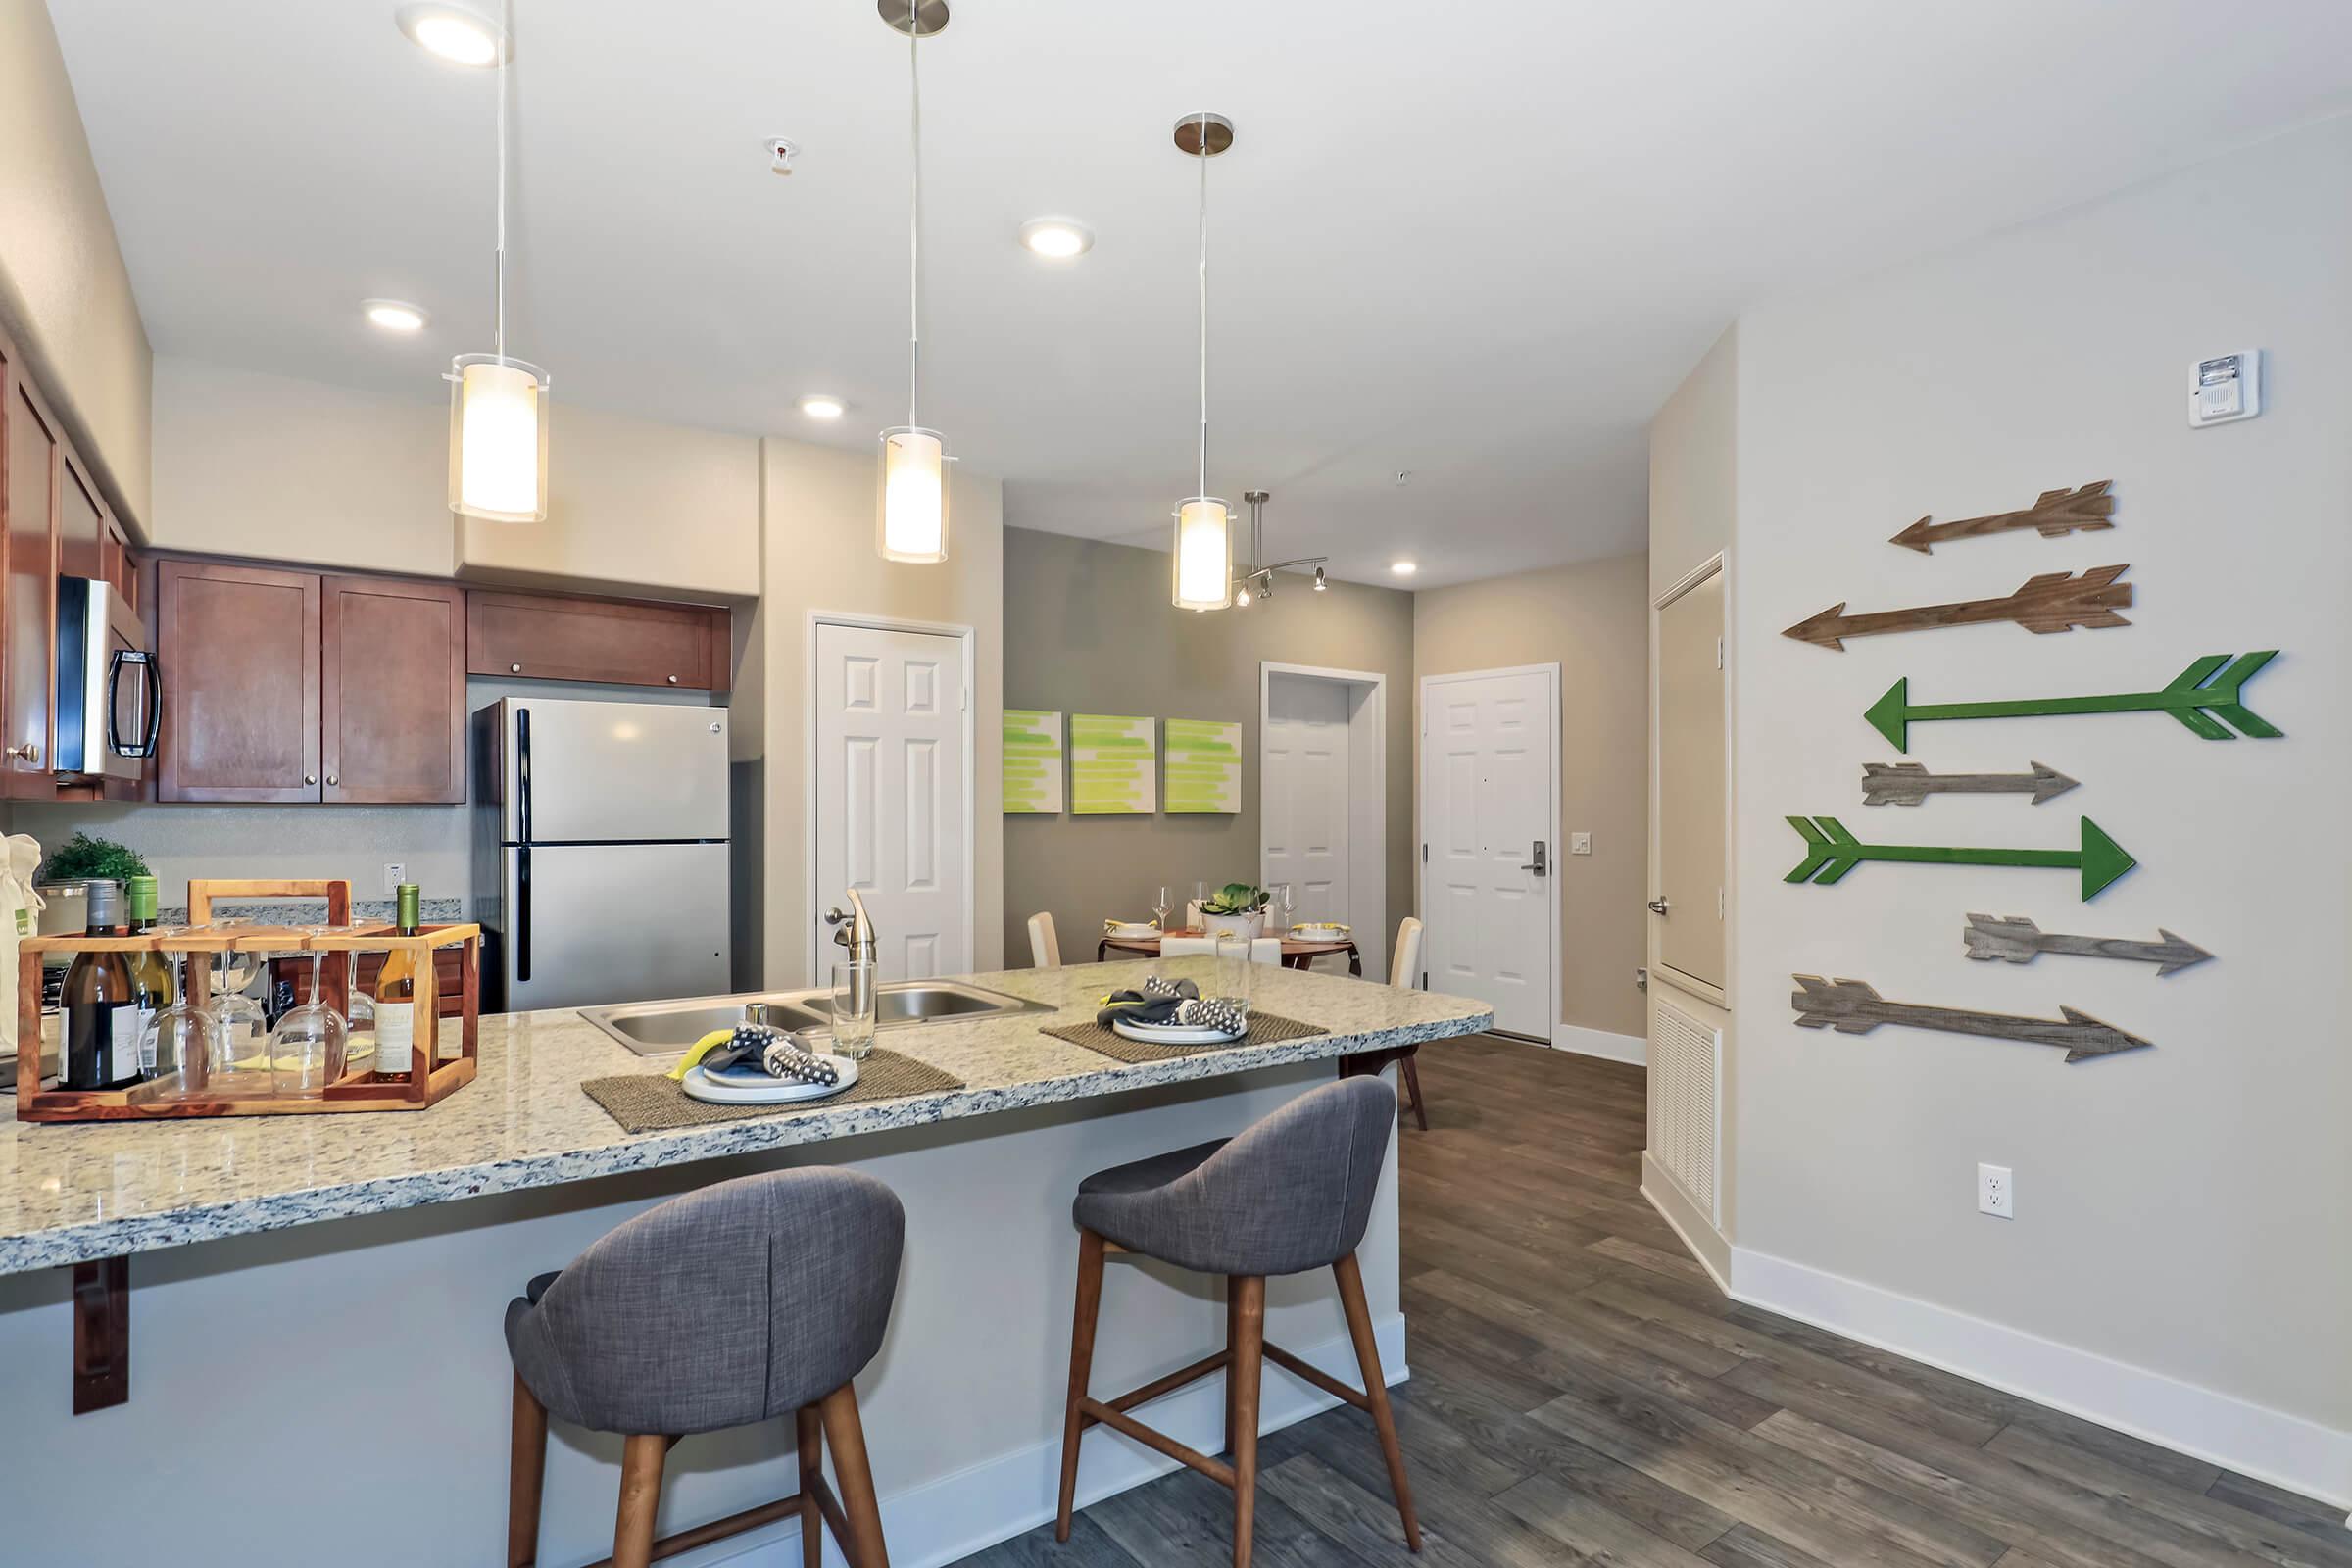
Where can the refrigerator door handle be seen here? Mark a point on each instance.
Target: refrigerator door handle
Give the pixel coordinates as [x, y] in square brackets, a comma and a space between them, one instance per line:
[522, 913]
[522, 774]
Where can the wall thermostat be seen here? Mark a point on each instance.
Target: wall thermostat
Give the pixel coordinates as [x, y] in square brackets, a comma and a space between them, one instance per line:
[2226, 387]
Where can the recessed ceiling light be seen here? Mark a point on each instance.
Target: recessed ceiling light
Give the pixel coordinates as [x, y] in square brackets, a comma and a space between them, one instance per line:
[1058, 237]
[395, 315]
[453, 34]
[822, 406]
[1403, 569]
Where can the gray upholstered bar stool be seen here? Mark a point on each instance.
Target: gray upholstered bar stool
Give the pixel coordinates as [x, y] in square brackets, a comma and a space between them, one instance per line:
[1291, 1194]
[752, 1301]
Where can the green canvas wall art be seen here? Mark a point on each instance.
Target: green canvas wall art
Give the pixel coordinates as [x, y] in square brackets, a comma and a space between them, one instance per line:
[1032, 762]
[1204, 766]
[1111, 771]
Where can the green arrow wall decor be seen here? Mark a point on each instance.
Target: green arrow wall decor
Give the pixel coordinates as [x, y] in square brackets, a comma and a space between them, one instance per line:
[1830, 852]
[2199, 693]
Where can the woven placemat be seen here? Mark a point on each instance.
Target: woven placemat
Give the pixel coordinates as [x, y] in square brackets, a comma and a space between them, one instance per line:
[1265, 1029]
[651, 1102]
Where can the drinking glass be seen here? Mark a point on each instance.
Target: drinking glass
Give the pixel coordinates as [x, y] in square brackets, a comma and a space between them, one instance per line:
[182, 1044]
[1289, 900]
[241, 1065]
[306, 1049]
[1160, 908]
[853, 1011]
[1233, 970]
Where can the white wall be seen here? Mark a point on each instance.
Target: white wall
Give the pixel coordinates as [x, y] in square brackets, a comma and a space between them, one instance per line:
[2179, 1210]
[64, 294]
[819, 511]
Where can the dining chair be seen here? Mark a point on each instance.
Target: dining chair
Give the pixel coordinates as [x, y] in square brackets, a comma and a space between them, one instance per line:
[1405, 973]
[1267, 950]
[1262, 949]
[1045, 948]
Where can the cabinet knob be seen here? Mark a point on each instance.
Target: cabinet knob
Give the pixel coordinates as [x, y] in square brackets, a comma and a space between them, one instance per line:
[673, 680]
[30, 751]
[516, 669]
[331, 779]
[310, 779]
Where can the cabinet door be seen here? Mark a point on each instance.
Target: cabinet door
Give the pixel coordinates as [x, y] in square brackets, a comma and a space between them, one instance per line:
[545, 637]
[117, 564]
[28, 682]
[392, 699]
[80, 524]
[1691, 783]
[239, 651]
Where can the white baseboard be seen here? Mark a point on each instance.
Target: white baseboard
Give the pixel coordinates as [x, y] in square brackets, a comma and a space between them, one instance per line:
[2274, 1445]
[1705, 1243]
[946, 1520]
[1599, 1043]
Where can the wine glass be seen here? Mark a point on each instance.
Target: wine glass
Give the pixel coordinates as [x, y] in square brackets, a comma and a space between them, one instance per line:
[1290, 904]
[183, 1043]
[1159, 909]
[1199, 896]
[306, 1049]
[243, 1065]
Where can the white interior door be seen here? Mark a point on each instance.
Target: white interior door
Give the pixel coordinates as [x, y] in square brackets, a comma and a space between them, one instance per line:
[894, 797]
[1304, 794]
[1487, 755]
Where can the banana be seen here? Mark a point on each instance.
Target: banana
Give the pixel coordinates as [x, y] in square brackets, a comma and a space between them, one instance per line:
[699, 1049]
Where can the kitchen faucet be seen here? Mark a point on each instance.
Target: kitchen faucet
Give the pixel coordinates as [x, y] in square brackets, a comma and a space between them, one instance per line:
[863, 948]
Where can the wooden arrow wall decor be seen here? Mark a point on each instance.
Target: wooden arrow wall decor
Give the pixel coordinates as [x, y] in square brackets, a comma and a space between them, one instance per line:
[2055, 601]
[2016, 939]
[1830, 852]
[2054, 513]
[2198, 693]
[1852, 1007]
[1910, 783]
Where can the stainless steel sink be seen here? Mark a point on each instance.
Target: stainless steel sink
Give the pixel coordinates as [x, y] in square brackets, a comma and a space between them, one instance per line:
[665, 1028]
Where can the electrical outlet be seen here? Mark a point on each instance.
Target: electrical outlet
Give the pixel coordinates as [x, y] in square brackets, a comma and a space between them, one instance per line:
[1996, 1191]
[1580, 844]
[395, 874]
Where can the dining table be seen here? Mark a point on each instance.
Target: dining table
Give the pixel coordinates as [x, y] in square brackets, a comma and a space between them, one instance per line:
[1295, 952]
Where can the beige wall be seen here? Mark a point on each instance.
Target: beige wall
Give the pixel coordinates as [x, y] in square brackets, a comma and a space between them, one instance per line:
[251, 463]
[64, 294]
[2182, 1209]
[1591, 619]
[1094, 633]
[821, 557]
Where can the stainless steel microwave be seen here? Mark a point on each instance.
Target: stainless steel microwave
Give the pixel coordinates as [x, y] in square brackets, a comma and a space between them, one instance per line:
[110, 694]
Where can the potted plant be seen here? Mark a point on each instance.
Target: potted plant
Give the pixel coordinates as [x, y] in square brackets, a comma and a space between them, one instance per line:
[1237, 908]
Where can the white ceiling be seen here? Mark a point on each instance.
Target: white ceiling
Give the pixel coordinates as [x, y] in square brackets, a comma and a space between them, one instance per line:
[1480, 243]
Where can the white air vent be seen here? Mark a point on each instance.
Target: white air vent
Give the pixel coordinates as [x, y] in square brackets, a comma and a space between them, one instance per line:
[1686, 1099]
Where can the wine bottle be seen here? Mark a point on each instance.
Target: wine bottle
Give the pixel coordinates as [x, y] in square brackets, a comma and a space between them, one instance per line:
[100, 1002]
[150, 973]
[396, 992]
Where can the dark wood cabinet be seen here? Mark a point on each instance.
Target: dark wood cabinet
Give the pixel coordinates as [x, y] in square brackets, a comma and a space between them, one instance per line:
[392, 678]
[36, 464]
[610, 641]
[240, 657]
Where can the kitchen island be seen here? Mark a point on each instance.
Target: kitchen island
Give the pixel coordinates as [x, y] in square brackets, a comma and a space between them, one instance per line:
[316, 1300]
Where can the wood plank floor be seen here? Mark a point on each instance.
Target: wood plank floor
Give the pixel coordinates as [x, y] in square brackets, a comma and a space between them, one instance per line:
[1582, 1393]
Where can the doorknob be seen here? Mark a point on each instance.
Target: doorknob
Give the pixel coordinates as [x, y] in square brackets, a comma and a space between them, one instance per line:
[30, 751]
[1657, 906]
[834, 917]
[1539, 864]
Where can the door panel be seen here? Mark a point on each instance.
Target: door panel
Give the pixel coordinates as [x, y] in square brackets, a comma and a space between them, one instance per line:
[894, 797]
[619, 770]
[239, 651]
[1487, 747]
[81, 529]
[392, 691]
[35, 468]
[1305, 795]
[613, 923]
[1691, 783]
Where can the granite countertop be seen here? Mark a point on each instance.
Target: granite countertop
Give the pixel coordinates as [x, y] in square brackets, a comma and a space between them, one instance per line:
[70, 1191]
[313, 911]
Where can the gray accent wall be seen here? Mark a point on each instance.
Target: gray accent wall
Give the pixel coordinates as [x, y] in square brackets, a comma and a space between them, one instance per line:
[1089, 629]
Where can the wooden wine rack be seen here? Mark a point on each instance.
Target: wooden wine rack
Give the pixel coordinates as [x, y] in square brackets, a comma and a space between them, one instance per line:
[430, 1079]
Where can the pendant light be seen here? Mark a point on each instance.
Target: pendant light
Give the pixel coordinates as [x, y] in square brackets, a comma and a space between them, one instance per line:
[910, 517]
[498, 404]
[1203, 548]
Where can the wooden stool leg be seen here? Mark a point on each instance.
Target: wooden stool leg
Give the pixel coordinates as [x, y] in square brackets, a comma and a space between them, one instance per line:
[526, 1475]
[811, 1435]
[1412, 1080]
[641, 1460]
[1082, 1362]
[1376, 1389]
[1249, 1360]
[1233, 1339]
[846, 1434]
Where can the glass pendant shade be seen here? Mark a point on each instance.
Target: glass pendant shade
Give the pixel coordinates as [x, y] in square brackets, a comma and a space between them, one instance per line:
[912, 519]
[1204, 554]
[496, 439]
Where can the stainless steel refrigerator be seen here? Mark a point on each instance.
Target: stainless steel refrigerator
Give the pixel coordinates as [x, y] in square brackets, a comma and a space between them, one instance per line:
[600, 851]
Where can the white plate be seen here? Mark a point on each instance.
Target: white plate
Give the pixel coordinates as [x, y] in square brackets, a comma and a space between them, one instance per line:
[1320, 933]
[1171, 1034]
[1131, 930]
[700, 1085]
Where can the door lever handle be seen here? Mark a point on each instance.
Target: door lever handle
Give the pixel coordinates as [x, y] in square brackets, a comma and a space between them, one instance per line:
[1540, 866]
[1657, 906]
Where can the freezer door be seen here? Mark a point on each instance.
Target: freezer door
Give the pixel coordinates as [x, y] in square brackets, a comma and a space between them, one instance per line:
[579, 772]
[591, 923]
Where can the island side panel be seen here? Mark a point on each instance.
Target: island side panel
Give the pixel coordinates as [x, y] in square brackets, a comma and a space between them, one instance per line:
[378, 1341]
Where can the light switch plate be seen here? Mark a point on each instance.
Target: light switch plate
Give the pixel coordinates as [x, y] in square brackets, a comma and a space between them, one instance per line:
[1580, 844]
